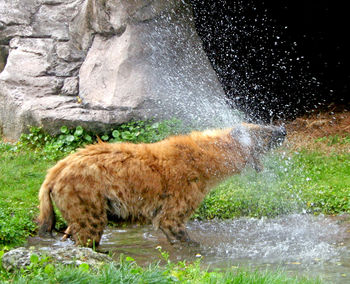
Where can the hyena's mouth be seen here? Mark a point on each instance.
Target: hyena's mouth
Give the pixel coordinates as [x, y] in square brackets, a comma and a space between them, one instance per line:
[278, 136]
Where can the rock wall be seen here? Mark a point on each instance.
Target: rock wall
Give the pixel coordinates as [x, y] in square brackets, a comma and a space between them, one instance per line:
[99, 63]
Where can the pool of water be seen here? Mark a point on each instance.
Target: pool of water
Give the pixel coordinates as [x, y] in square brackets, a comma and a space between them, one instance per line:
[313, 246]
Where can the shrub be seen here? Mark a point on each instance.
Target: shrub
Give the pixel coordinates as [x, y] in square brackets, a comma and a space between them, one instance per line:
[57, 146]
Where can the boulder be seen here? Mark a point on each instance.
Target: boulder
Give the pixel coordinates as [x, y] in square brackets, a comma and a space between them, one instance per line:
[100, 63]
[20, 257]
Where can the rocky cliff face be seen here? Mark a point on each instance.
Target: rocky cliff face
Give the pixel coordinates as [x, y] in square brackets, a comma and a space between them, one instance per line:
[99, 63]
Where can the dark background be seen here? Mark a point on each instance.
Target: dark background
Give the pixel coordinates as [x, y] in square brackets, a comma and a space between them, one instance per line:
[278, 59]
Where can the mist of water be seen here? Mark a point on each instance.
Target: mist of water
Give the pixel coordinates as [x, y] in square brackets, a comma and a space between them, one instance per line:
[262, 70]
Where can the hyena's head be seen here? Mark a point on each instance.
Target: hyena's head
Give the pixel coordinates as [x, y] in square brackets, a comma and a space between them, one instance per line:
[258, 139]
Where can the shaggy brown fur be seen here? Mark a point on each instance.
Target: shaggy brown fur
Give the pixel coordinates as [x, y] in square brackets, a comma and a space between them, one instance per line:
[162, 183]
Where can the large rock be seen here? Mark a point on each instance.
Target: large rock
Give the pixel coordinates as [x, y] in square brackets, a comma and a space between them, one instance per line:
[20, 257]
[99, 63]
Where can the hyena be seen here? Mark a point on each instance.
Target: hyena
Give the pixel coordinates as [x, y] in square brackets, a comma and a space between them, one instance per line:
[161, 183]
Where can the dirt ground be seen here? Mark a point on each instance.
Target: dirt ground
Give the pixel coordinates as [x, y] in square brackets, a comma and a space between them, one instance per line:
[309, 130]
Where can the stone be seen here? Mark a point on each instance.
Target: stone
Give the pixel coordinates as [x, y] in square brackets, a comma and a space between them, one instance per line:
[17, 12]
[52, 21]
[67, 52]
[40, 46]
[15, 17]
[123, 59]
[153, 66]
[91, 19]
[20, 257]
[70, 86]
[27, 66]
[4, 52]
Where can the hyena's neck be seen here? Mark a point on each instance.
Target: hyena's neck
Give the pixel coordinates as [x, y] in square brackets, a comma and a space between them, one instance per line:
[229, 158]
[215, 157]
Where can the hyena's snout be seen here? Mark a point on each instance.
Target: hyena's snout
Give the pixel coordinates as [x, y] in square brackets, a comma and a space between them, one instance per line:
[278, 136]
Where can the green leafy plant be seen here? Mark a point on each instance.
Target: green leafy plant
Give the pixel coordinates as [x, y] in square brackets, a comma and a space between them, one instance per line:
[54, 147]
[15, 227]
[143, 131]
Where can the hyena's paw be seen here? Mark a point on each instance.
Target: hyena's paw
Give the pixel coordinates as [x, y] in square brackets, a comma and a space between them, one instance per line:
[84, 235]
[178, 236]
[192, 243]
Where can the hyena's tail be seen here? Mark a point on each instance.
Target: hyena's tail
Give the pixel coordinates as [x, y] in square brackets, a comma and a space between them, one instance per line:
[47, 217]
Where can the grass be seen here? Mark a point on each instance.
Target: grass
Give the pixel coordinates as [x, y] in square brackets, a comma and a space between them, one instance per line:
[315, 181]
[327, 181]
[312, 181]
[21, 175]
[301, 181]
[127, 271]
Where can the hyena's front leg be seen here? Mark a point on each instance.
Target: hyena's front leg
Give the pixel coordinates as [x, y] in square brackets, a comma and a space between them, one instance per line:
[175, 232]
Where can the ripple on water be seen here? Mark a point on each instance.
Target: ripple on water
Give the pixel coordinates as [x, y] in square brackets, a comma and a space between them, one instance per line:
[315, 246]
[301, 238]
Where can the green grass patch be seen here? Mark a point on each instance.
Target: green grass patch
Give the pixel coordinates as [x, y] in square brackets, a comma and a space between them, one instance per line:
[325, 183]
[310, 181]
[127, 271]
[21, 175]
[307, 181]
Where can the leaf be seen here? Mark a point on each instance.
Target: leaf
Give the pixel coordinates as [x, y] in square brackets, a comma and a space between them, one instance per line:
[116, 134]
[155, 125]
[105, 137]
[78, 131]
[126, 135]
[84, 267]
[69, 138]
[64, 130]
[88, 138]
[34, 258]
[49, 269]
[129, 259]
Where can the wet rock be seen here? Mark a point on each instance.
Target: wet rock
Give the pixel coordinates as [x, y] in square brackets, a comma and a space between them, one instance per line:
[20, 257]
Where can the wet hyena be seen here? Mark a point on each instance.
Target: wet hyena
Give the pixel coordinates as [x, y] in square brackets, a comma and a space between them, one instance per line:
[162, 183]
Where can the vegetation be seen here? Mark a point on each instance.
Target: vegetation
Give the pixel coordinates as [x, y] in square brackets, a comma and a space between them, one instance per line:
[305, 181]
[21, 174]
[57, 146]
[23, 167]
[314, 181]
[127, 271]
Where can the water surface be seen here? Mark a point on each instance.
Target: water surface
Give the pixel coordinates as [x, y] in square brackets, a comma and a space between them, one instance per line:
[314, 246]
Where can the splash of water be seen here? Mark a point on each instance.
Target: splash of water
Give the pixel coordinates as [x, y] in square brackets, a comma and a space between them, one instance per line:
[260, 68]
[292, 238]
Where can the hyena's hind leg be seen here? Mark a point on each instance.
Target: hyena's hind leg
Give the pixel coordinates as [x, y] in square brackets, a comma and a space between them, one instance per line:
[86, 219]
